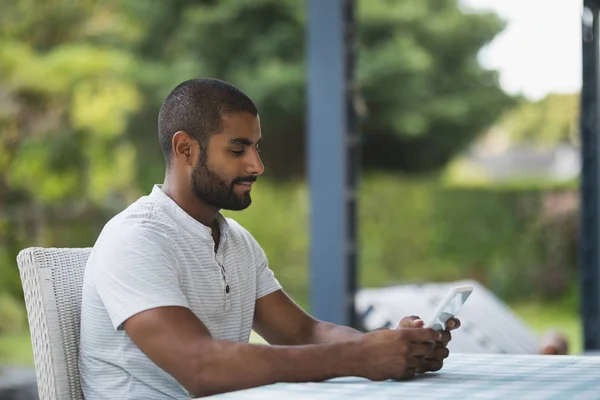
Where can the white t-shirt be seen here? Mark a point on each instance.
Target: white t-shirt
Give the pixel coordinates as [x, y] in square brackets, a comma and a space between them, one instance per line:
[153, 254]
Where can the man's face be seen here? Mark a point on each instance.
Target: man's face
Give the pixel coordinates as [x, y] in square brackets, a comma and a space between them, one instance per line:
[224, 173]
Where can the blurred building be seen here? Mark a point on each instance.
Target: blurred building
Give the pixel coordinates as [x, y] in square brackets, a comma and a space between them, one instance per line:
[495, 158]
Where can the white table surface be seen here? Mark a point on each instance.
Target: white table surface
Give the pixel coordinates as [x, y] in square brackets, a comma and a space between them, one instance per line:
[464, 376]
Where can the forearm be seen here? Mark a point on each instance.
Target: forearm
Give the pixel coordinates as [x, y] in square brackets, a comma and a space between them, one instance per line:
[325, 332]
[227, 366]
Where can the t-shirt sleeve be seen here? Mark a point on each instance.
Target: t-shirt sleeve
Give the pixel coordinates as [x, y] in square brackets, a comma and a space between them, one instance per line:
[134, 272]
[266, 282]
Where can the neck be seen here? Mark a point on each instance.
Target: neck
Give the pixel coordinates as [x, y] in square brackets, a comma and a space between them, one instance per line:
[181, 194]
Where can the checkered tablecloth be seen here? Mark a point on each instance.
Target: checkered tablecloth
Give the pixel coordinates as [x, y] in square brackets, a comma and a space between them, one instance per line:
[464, 376]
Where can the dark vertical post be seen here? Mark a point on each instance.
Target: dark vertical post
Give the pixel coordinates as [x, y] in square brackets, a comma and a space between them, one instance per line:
[590, 195]
[353, 147]
[332, 159]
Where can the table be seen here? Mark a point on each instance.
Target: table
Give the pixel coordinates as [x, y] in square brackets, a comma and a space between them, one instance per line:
[464, 376]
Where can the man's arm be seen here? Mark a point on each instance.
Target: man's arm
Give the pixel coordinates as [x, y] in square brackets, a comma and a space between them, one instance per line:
[179, 343]
[280, 321]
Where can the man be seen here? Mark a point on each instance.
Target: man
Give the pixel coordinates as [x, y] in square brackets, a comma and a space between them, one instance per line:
[172, 289]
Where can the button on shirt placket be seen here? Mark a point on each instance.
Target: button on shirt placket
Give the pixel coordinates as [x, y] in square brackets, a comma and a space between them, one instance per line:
[226, 289]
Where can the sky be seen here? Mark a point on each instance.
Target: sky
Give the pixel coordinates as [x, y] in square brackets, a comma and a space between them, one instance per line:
[539, 52]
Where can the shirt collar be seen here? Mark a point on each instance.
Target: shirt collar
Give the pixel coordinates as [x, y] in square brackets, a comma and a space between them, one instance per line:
[183, 218]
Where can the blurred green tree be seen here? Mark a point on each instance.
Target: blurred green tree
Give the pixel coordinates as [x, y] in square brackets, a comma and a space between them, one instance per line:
[545, 122]
[65, 96]
[81, 83]
[426, 94]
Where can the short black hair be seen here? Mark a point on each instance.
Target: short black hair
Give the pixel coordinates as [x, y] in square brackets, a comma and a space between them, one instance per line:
[197, 107]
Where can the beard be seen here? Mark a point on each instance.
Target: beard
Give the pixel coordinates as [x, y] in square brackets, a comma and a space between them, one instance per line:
[216, 192]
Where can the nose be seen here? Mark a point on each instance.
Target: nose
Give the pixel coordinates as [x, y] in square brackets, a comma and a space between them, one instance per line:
[255, 165]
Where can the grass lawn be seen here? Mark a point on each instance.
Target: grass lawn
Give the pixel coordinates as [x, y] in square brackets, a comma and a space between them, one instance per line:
[542, 317]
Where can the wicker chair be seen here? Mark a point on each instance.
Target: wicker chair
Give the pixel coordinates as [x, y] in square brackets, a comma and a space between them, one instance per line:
[52, 280]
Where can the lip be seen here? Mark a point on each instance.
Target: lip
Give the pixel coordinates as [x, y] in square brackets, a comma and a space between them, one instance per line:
[245, 186]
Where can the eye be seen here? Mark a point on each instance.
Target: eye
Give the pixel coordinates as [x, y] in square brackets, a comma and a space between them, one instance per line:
[237, 152]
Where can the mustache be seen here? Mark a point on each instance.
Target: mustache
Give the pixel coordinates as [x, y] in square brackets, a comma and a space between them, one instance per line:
[242, 179]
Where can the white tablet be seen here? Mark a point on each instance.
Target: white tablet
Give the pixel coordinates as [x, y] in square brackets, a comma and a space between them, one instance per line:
[449, 307]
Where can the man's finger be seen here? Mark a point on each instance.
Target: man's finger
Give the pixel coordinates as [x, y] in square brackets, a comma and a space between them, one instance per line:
[416, 362]
[417, 323]
[408, 374]
[422, 335]
[422, 349]
[435, 360]
[446, 337]
[453, 323]
[440, 353]
[411, 322]
[432, 364]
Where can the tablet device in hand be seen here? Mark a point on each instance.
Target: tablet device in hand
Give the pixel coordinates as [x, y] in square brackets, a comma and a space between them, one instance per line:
[449, 307]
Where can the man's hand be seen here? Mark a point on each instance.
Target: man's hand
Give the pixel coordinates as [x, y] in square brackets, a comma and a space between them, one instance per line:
[435, 360]
[394, 353]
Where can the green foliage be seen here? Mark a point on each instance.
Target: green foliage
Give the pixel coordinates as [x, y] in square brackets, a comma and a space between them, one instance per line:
[423, 230]
[13, 318]
[81, 84]
[512, 240]
[16, 349]
[66, 98]
[547, 122]
[562, 316]
[66, 93]
[426, 95]
[521, 243]
[10, 281]
[278, 219]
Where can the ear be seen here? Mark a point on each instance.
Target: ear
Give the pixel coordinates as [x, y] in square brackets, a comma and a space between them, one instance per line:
[182, 145]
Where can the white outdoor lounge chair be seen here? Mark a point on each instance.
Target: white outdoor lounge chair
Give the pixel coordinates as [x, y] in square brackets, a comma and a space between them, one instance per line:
[487, 324]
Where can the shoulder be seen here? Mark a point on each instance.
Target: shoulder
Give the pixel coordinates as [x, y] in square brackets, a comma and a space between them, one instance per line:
[142, 218]
[140, 228]
[240, 236]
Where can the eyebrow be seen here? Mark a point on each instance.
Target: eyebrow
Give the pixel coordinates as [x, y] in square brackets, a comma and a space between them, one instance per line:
[244, 141]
